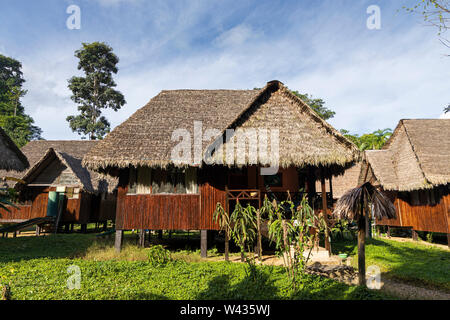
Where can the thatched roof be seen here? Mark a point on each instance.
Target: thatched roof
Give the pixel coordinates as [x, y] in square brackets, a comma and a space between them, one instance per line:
[145, 139]
[11, 158]
[415, 157]
[41, 154]
[342, 183]
[366, 197]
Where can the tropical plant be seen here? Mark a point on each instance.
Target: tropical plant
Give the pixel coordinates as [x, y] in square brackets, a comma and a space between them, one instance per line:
[294, 232]
[244, 227]
[222, 217]
[158, 255]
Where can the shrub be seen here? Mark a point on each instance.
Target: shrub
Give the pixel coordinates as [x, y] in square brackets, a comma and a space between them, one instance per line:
[158, 255]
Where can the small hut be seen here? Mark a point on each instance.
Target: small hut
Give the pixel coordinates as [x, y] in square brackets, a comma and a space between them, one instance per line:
[414, 169]
[87, 196]
[11, 158]
[158, 190]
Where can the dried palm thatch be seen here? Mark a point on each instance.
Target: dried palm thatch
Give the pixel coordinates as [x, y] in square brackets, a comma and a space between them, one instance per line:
[145, 139]
[11, 158]
[351, 205]
[415, 157]
[42, 154]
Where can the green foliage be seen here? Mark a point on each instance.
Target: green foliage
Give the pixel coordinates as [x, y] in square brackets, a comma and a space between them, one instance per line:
[158, 255]
[222, 217]
[343, 230]
[369, 141]
[244, 228]
[13, 119]
[94, 91]
[318, 105]
[429, 237]
[291, 229]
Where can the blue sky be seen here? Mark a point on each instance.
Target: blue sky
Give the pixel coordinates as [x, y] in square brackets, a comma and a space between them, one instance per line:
[371, 78]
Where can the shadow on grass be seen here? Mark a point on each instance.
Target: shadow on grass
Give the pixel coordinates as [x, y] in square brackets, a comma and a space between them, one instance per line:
[406, 261]
[50, 246]
[256, 285]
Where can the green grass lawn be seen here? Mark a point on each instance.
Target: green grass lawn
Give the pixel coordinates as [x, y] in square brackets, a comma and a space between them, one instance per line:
[411, 262]
[36, 268]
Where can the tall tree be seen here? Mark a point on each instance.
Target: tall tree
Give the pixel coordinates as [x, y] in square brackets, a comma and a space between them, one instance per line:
[94, 92]
[13, 119]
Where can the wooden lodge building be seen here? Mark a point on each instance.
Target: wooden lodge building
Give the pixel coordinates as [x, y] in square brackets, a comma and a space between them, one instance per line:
[83, 195]
[157, 191]
[414, 169]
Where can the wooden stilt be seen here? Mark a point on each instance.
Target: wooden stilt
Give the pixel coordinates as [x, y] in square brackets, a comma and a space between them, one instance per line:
[414, 235]
[258, 225]
[38, 230]
[325, 210]
[389, 231]
[118, 240]
[141, 238]
[84, 228]
[15, 234]
[227, 245]
[448, 240]
[203, 243]
[160, 234]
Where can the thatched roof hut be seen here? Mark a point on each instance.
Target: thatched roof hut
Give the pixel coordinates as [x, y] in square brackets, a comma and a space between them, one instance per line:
[145, 139]
[43, 154]
[11, 158]
[415, 157]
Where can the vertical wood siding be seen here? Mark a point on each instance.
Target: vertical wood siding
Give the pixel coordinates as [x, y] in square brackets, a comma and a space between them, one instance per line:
[172, 211]
[422, 217]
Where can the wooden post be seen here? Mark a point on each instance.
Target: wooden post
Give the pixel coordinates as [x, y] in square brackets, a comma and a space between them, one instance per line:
[227, 245]
[258, 225]
[414, 235]
[119, 240]
[38, 230]
[84, 228]
[227, 234]
[15, 234]
[362, 246]
[203, 243]
[448, 240]
[160, 234]
[325, 209]
[141, 238]
[389, 231]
